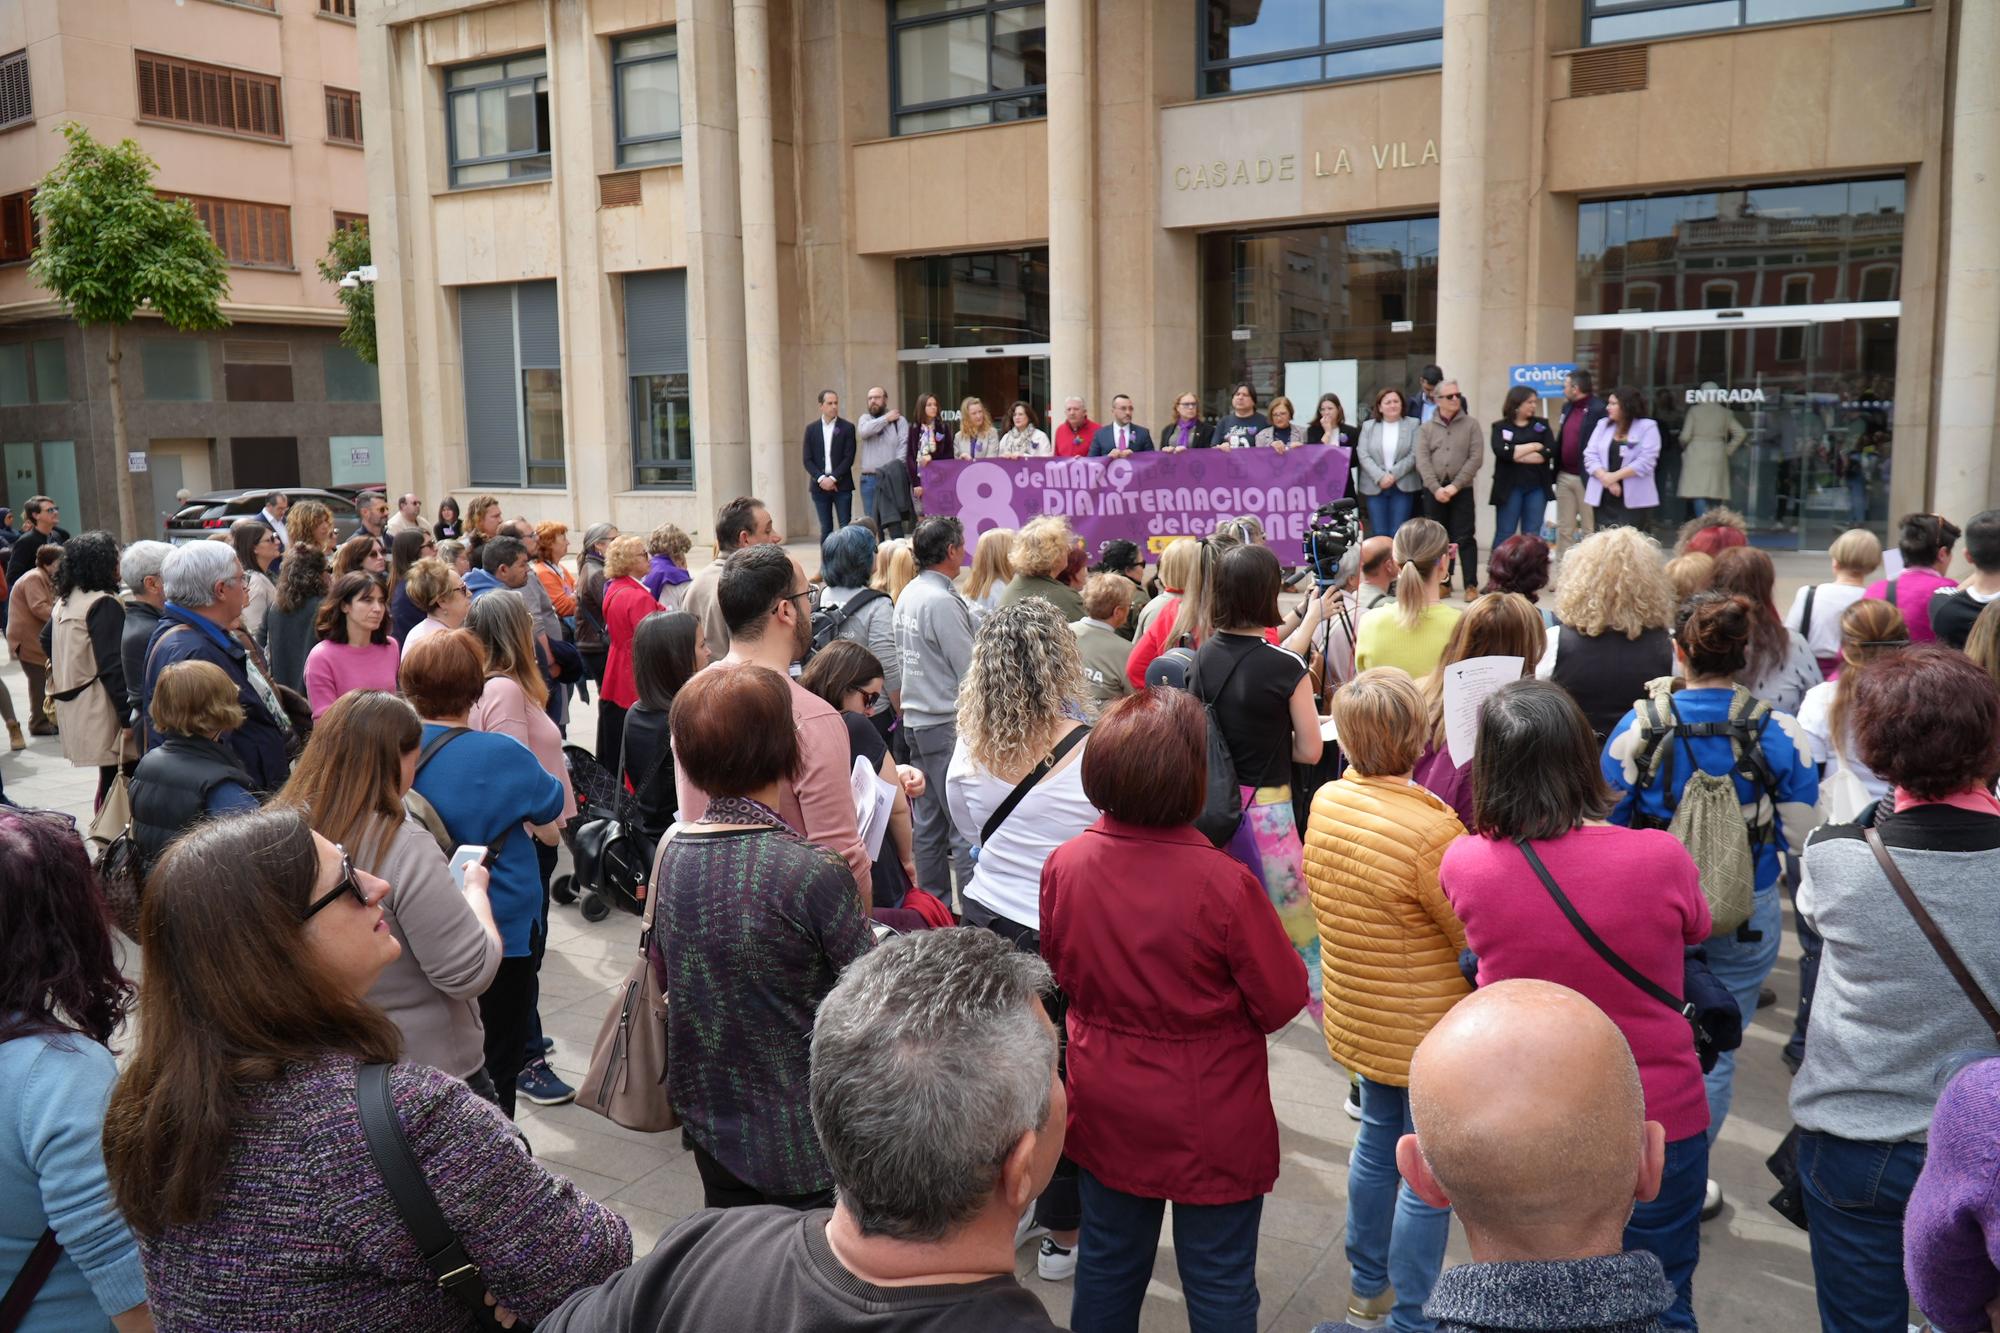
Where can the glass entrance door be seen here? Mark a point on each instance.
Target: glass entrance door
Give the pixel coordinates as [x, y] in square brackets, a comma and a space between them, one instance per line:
[997, 380]
[1790, 424]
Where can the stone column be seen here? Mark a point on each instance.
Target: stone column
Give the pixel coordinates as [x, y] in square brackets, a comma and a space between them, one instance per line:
[1072, 178]
[757, 182]
[715, 253]
[596, 452]
[1969, 350]
[1462, 167]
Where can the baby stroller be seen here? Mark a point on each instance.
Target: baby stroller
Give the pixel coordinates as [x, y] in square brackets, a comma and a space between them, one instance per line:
[611, 857]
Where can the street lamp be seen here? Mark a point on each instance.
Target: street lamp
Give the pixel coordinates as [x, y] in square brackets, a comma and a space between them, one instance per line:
[354, 277]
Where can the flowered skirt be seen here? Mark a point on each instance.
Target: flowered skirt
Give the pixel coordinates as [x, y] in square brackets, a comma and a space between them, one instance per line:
[1267, 843]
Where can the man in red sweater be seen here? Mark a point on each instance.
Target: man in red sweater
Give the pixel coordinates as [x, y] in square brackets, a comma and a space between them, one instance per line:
[1073, 437]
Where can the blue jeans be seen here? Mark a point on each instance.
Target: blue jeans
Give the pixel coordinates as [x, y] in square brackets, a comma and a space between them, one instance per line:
[1390, 510]
[1742, 967]
[830, 503]
[1215, 1247]
[1699, 504]
[1670, 1226]
[868, 483]
[1521, 511]
[1394, 1239]
[1855, 1194]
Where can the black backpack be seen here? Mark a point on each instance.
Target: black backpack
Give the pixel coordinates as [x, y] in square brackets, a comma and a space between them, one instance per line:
[1222, 810]
[828, 621]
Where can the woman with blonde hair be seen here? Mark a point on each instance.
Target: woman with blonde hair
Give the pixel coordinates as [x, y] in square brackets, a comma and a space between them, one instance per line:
[1389, 946]
[976, 436]
[902, 569]
[482, 523]
[1982, 645]
[1817, 609]
[190, 775]
[667, 576]
[1412, 633]
[350, 784]
[1497, 625]
[1040, 555]
[1184, 429]
[309, 523]
[626, 603]
[1616, 608]
[1283, 432]
[1869, 628]
[1690, 574]
[1017, 713]
[439, 592]
[990, 573]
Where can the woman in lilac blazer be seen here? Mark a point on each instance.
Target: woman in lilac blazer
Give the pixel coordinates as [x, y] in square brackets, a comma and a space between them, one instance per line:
[1619, 461]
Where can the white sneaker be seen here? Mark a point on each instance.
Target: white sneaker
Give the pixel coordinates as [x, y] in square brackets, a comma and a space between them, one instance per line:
[1028, 1230]
[1353, 1103]
[1053, 1263]
[1711, 1201]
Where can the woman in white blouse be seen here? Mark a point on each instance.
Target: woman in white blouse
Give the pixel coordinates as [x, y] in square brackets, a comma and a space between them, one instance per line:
[1385, 464]
[1018, 717]
[1868, 629]
[1023, 438]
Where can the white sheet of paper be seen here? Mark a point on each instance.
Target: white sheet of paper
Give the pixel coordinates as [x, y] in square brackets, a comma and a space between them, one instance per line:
[1327, 732]
[1892, 563]
[873, 800]
[1467, 685]
[861, 784]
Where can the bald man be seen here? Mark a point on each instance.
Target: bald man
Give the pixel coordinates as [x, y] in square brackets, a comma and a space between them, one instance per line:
[1378, 571]
[1531, 1126]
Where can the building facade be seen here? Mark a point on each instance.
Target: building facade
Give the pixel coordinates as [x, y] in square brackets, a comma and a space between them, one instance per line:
[252, 110]
[623, 243]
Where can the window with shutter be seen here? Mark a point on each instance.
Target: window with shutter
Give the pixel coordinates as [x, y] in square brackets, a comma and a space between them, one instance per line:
[210, 97]
[343, 116]
[17, 227]
[17, 106]
[340, 8]
[250, 235]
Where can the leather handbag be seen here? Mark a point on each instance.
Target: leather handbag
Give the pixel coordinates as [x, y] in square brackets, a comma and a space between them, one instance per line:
[627, 1082]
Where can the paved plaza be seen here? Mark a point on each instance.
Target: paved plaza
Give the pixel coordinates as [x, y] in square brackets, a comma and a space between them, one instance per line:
[1755, 1274]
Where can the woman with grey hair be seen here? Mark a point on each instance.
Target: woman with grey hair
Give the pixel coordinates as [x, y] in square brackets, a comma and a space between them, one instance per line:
[591, 641]
[1019, 711]
[862, 614]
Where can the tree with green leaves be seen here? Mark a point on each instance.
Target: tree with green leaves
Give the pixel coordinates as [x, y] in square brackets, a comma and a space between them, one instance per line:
[347, 250]
[111, 247]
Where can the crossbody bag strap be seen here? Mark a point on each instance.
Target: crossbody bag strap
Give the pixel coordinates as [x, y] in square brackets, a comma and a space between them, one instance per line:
[1027, 784]
[27, 1284]
[425, 755]
[444, 1253]
[1685, 1008]
[625, 751]
[1929, 926]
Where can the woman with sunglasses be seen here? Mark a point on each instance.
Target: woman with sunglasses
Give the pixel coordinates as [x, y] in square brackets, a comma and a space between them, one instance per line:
[849, 677]
[350, 784]
[61, 999]
[439, 592]
[234, 1140]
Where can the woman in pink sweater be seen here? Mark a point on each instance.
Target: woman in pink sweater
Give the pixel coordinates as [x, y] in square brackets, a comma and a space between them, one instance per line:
[354, 651]
[1536, 785]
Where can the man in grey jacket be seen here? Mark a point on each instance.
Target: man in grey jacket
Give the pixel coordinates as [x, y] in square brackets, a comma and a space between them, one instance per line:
[882, 431]
[934, 636]
[1449, 454]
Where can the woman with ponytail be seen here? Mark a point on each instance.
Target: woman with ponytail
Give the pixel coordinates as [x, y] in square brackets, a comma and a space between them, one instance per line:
[1412, 633]
[1868, 629]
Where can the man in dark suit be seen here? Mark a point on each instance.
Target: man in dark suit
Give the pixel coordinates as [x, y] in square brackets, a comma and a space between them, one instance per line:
[1582, 410]
[1121, 438]
[828, 454]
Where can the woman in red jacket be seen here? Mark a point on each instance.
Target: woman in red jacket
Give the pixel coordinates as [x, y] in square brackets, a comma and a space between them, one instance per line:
[1176, 969]
[626, 603]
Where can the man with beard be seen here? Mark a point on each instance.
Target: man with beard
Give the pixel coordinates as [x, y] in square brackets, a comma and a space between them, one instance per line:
[764, 595]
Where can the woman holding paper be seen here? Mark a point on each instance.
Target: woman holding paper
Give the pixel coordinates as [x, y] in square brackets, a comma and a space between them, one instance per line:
[1535, 774]
[1497, 625]
[850, 678]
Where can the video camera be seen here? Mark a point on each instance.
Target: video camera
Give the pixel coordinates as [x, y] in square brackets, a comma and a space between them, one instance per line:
[1335, 530]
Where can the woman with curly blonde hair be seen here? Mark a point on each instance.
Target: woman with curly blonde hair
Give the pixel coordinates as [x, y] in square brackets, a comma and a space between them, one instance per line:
[1616, 608]
[1040, 555]
[309, 523]
[1018, 710]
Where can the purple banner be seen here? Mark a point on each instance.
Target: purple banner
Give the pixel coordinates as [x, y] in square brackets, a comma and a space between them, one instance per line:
[1148, 498]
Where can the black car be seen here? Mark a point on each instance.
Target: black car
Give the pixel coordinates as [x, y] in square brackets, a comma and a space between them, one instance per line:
[205, 515]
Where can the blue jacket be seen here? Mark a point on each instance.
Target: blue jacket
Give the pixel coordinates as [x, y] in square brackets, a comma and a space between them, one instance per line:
[479, 582]
[1139, 439]
[259, 744]
[1785, 749]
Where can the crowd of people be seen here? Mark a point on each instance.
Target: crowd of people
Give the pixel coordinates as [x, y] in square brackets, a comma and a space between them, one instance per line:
[1121, 830]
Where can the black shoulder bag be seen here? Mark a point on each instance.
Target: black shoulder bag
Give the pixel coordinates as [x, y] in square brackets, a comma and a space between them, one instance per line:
[444, 1253]
[1027, 784]
[1712, 1032]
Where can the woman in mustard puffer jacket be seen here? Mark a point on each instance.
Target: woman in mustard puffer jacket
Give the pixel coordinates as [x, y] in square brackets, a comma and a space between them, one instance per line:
[1389, 946]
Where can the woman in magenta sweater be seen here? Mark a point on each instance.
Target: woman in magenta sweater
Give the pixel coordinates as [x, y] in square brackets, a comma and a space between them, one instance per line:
[354, 651]
[1535, 780]
[1175, 968]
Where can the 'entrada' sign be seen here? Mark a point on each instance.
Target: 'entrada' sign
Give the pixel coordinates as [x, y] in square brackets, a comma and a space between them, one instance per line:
[1725, 396]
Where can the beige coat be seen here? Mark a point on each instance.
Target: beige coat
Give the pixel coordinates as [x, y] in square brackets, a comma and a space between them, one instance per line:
[29, 606]
[1389, 940]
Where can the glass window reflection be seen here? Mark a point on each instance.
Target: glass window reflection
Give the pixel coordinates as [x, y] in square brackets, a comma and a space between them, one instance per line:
[1253, 44]
[974, 300]
[1636, 20]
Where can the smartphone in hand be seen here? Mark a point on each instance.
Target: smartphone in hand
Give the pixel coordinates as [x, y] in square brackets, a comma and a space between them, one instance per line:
[464, 857]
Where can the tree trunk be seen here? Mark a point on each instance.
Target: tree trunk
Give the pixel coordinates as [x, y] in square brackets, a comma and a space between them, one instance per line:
[128, 505]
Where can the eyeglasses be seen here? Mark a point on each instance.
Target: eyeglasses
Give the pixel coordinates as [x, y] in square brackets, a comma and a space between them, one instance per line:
[454, 589]
[869, 698]
[794, 596]
[348, 884]
[1448, 397]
